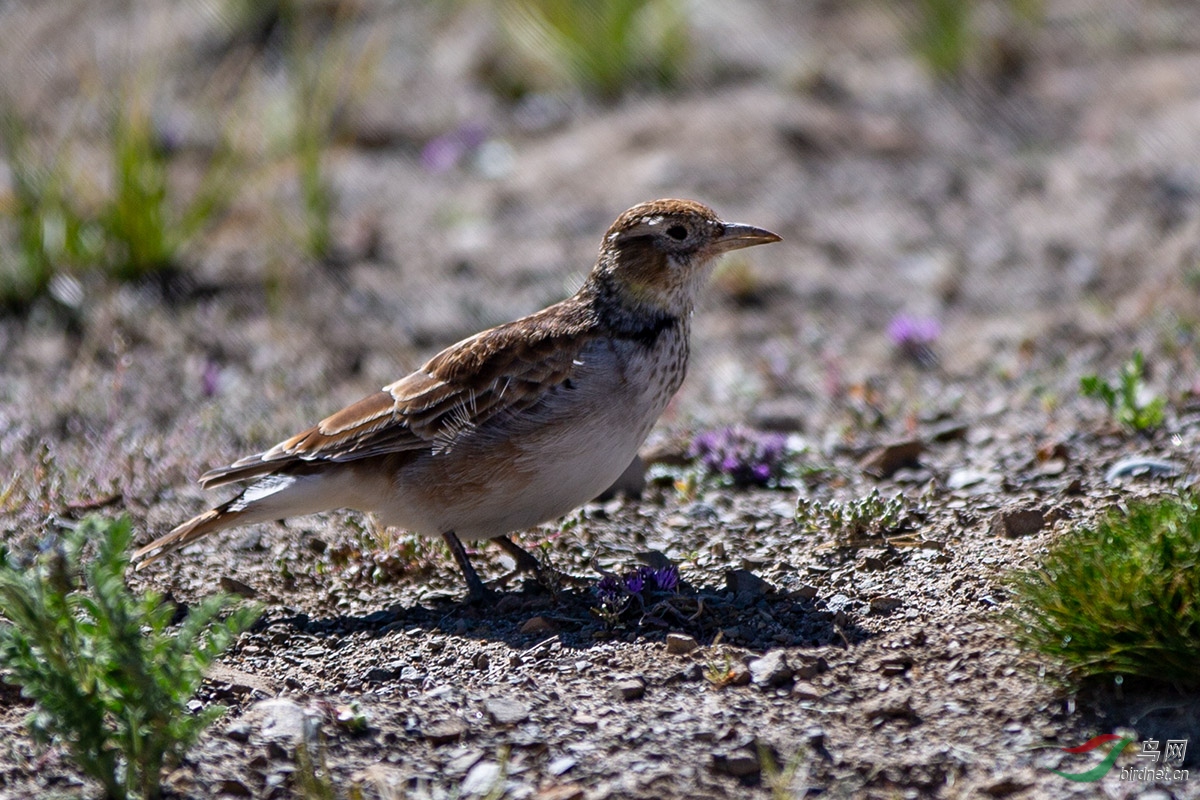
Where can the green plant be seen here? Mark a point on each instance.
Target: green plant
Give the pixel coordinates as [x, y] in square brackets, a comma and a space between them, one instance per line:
[1129, 402]
[109, 676]
[606, 46]
[788, 782]
[872, 515]
[1121, 597]
[943, 36]
[144, 225]
[325, 70]
[51, 235]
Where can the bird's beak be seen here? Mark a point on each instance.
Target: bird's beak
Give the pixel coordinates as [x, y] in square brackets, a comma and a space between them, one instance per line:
[736, 236]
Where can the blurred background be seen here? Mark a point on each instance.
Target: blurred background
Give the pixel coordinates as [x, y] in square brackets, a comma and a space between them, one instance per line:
[221, 219]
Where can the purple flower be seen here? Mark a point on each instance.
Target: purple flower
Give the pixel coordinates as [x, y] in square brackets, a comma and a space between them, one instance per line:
[609, 590]
[745, 457]
[635, 582]
[445, 152]
[666, 579]
[914, 337]
[210, 379]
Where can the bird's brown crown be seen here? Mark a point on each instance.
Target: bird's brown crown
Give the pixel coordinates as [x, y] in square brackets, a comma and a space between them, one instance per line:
[654, 257]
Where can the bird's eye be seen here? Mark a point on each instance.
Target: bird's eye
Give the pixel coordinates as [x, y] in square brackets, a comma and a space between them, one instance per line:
[677, 232]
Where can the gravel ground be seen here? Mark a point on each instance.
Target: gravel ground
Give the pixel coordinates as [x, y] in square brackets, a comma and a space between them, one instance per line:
[1048, 219]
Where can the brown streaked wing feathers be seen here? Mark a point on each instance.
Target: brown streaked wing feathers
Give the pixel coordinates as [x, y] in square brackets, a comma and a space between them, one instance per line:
[501, 370]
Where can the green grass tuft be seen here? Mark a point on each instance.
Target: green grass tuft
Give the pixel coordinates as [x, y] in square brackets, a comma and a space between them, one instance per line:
[1121, 598]
[109, 675]
[49, 235]
[145, 223]
[606, 46]
[1129, 401]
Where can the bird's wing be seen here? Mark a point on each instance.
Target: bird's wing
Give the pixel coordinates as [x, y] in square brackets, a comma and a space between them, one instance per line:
[505, 370]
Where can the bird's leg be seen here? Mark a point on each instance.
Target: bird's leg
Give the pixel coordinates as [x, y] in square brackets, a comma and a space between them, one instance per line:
[476, 591]
[526, 561]
[546, 575]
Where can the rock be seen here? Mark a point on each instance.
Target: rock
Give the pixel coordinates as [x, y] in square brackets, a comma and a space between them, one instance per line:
[740, 763]
[968, 478]
[811, 669]
[882, 462]
[570, 791]
[745, 584]
[891, 708]
[505, 711]
[783, 414]
[482, 779]
[802, 690]
[446, 730]
[1017, 522]
[240, 682]
[561, 765]
[1006, 786]
[232, 786]
[278, 720]
[949, 432]
[771, 670]
[1138, 467]
[680, 643]
[538, 624]
[883, 605]
[239, 730]
[629, 689]
[234, 586]
[739, 675]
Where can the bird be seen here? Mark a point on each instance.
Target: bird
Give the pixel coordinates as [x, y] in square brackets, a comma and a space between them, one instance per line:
[512, 427]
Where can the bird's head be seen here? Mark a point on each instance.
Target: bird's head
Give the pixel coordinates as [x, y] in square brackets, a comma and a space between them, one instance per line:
[657, 255]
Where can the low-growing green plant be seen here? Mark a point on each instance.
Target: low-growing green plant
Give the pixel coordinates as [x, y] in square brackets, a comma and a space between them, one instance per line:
[1129, 402]
[50, 234]
[872, 515]
[145, 226]
[1119, 598]
[943, 34]
[109, 675]
[606, 46]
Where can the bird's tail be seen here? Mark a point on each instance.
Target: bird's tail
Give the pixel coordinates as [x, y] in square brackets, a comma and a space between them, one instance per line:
[217, 519]
[271, 498]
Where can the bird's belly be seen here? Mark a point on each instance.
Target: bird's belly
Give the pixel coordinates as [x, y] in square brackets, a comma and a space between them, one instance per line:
[513, 479]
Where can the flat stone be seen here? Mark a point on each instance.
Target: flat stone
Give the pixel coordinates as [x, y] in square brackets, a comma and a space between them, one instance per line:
[744, 583]
[770, 670]
[236, 587]
[538, 624]
[803, 690]
[561, 765]
[739, 763]
[883, 605]
[680, 643]
[1017, 522]
[481, 779]
[446, 730]
[506, 711]
[278, 720]
[630, 689]
[883, 462]
[570, 791]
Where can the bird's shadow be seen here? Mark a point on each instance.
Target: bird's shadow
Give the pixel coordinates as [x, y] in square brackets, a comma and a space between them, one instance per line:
[756, 620]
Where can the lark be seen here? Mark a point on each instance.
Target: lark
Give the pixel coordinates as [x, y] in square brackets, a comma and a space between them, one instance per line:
[514, 426]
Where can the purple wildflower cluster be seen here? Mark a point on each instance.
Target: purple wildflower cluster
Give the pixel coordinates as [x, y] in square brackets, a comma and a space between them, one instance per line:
[914, 337]
[614, 590]
[445, 152]
[745, 457]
